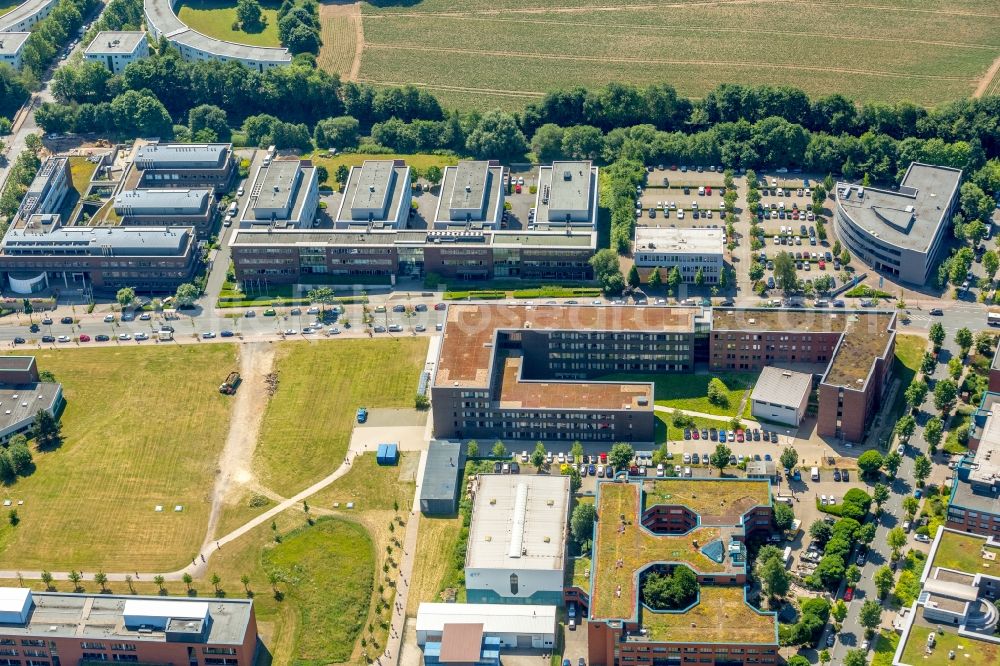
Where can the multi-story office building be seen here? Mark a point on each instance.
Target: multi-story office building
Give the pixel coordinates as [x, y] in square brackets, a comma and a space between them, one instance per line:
[38, 252]
[472, 196]
[856, 349]
[47, 190]
[117, 50]
[693, 251]
[377, 196]
[180, 165]
[975, 490]
[294, 256]
[167, 208]
[899, 232]
[52, 628]
[162, 21]
[648, 527]
[283, 194]
[12, 47]
[567, 196]
[532, 372]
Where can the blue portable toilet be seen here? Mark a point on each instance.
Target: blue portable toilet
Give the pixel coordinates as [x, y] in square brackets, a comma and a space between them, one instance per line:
[388, 454]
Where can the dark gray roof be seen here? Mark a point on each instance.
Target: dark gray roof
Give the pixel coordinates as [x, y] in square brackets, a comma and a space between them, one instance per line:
[121, 241]
[166, 201]
[442, 472]
[182, 155]
[20, 402]
[781, 387]
[383, 238]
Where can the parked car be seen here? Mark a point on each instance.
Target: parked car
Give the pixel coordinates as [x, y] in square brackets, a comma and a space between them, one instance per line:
[48, 338]
[922, 538]
[102, 338]
[66, 320]
[18, 341]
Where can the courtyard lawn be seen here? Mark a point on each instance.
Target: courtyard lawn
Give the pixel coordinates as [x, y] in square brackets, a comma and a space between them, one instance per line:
[307, 424]
[690, 391]
[216, 18]
[142, 427]
[909, 351]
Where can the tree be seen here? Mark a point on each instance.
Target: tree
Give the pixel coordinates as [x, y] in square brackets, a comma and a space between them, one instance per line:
[984, 343]
[933, 431]
[655, 278]
[945, 393]
[820, 531]
[718, 392]
[434, 174]
[343, 173]
[607, 271]
[75, 577]
[128, 581]
[936, 335]
[547, 143]
[883, 580]
[699, 277]
[845, 257]
[576, 451]
[836, 248]
[916, 393]
[905, 427]
[839, 610]
[720, 457]
[869, 462]
[784, 272]
[783, 516]
[472, 449]
[245, 579]
[896, 540]
[47, 579]
[852, 575]
[322, 295]
[866, 533]
[921, 469]
[538, 455]
[633, 277]
[671, 591]
[46, 430]
[928, 363]
[991, 263]
[910, 505]
[497, 135]
[575, 480]
[188, 579]
[774, 577]
[829, 571]
[621, 455]
[20, 459]
[186, 295]
[499, 450]
[674, 278]
[210, 119]
[582, 522]
[340, 132]
[101, 579]
[158, 581]
[125, 296]
[964, 339]
[249, 14]
[870, 615]
[880, 494]
[216, 581]
[891, 463]
[824, 657]
[789, 458]
[855, 657]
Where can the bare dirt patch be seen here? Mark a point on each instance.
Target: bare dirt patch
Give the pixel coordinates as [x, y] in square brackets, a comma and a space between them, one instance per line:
[343, 38]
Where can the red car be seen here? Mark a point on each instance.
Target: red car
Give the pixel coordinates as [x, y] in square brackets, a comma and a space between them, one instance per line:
[84, 338]
[604, 457]
[848, 594]
[739, 435]
[440, 306]
[517, 188]
[822, 265]
[673, 167]
[708, 191]
[694, 434]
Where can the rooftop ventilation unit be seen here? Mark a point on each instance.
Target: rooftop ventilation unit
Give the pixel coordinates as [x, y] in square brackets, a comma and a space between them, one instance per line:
[567, 175]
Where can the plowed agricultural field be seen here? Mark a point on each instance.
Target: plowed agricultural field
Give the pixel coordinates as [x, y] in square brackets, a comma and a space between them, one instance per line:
[505, 53]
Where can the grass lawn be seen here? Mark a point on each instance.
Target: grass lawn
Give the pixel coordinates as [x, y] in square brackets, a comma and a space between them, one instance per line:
[885, 648]
[215, 18]
[373, 486]
[436, 542]
[690, 391]
[967, 651]
[958, 422]
[909, 351]
[7, 5]
[418, 162]
[308, 422]
[81, 170]
[962, 552]
[132, 441]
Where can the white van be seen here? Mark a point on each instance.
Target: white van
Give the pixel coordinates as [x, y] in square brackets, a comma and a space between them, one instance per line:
[233, 207]
[814, 474]
[687, 471]
[787, 556]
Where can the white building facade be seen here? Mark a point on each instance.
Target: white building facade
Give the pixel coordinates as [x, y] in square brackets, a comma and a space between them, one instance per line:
[690, 250]
[527, 626]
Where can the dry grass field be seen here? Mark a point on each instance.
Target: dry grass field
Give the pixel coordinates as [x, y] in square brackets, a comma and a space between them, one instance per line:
[505, 53]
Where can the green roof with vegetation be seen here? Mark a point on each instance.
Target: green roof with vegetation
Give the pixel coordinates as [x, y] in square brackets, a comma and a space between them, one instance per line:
[963, 552]
[967, 651]
[721, 615]
[716, 501]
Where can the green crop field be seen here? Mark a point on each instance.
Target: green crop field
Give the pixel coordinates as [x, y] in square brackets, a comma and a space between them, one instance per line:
[308, 422]
[216, 18]
[142, 427]
[505, 53]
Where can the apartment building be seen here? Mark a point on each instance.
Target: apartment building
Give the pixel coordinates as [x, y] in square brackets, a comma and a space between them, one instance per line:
[283, 194]
[38, 253]
[472, 196]
[975, 490]
[656, 526]
[26, 15]
[376, 196]
[167, 208]
[899, 231]
[518, 372]
[698, 254]
[52, 628]
[854, 348]
[12, 48]
[180, 165]
[117, 50]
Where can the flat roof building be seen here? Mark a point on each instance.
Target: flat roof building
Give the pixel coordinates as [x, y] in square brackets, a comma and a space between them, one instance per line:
[567, 195]
[12, 47]
[377, 196]
[167, 208]
[517, 539]
[47, 189]
[899, 231]
[975, 489]
[441, 483]
[472, 196]
[79, 628]
[283, 194]
[23, 394]
[26, 15]
[954, 615]
[657, 526]
[162, 21]
[180, 165]
[692, 251]
[516, 626]
[116, 50]
[781, 395]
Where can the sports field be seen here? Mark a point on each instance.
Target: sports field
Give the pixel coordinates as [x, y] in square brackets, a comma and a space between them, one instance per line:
[488, 53]
[132, 441]
[216, 18]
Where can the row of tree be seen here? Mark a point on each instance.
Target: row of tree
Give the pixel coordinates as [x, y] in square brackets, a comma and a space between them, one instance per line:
[18, 179]
[50, 34]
